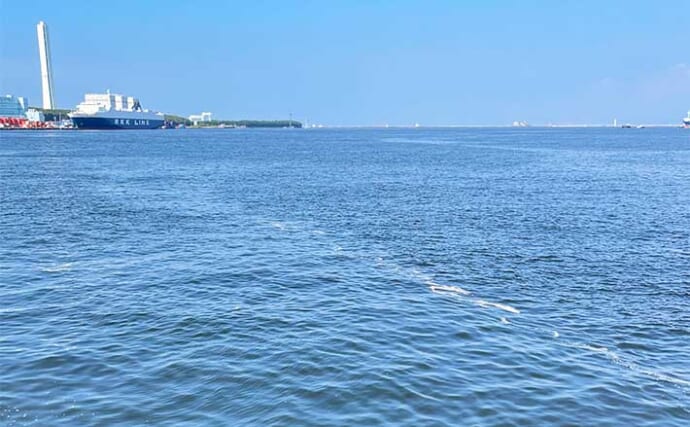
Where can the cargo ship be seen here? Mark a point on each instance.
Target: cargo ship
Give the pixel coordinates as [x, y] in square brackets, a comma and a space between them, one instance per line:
[686, 121]
[111, 111]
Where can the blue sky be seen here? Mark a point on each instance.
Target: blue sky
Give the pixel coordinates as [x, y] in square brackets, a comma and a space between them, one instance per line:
[369, 62]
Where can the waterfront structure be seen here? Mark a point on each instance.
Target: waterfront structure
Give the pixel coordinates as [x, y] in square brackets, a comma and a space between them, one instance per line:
[46, 66]
[34, 115]
[12, 111]
[112, 111]
[203, 117]
[13, 106]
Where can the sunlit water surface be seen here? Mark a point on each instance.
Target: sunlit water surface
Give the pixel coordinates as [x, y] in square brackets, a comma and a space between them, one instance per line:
[345, 277]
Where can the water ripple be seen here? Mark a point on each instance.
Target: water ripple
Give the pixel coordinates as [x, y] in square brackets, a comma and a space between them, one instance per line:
[345, 277]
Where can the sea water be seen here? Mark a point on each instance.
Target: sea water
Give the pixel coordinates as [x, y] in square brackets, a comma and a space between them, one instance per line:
[421, 277]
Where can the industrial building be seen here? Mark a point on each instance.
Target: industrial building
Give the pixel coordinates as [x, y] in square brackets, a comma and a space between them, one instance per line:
[13, 106]
[14, 112]
[203, 117]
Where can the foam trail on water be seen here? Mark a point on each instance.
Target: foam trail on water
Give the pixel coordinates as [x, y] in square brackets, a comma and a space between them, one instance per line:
[615, 358]
[448, 289]
[57, 268]
[279, 225]
[438, 288]
[547, 330]
[504, 307]
[463, 294]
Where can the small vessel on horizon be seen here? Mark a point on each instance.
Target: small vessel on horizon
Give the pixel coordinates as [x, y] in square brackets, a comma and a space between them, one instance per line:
[111, 111]
[686, 121]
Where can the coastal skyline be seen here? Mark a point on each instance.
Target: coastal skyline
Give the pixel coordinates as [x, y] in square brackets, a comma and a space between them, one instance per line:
[489, 225]
[356, 63]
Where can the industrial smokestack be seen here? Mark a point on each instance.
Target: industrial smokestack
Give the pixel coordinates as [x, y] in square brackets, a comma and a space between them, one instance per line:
[46, 68]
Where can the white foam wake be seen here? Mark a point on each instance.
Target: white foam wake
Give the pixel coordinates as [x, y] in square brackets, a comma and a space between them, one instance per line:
[438, 288]
[279, 225]
[465, 295]
[615, 358]
[449, 289]
[504, 307]
[58, 268]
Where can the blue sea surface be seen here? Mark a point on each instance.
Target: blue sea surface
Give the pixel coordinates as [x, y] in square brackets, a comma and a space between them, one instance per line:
[403, 277]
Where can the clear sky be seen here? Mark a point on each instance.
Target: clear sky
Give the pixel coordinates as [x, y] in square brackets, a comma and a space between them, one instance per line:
[368, 62]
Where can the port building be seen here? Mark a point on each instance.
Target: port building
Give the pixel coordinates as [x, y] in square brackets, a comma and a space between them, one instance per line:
[13, 106]
[13, 111]
[203, 117]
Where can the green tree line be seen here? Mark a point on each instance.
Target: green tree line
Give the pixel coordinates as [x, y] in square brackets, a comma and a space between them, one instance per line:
[252, 123]
[179, 120]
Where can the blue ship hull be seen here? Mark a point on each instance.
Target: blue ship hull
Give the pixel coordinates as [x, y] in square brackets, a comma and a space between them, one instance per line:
[110, 123]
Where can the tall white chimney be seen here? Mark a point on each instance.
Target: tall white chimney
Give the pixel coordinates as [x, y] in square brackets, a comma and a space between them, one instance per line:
[46, 68]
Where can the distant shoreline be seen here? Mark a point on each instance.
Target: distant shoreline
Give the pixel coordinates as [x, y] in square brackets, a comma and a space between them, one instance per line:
[364, 127]
[569, 126]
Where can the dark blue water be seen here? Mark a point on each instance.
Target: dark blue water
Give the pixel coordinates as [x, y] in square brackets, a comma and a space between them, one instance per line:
[345, 277]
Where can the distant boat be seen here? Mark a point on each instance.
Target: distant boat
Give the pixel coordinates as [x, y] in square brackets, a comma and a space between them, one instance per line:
[627, 126]
[640, 126]
[686, 121]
